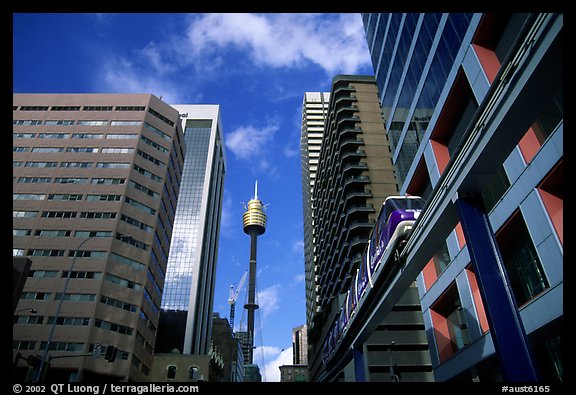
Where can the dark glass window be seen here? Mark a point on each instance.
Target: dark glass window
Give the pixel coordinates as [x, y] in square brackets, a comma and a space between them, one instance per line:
[171, 372]
[525, 272]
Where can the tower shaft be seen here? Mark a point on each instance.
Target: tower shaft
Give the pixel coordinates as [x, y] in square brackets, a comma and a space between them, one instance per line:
[251, 305]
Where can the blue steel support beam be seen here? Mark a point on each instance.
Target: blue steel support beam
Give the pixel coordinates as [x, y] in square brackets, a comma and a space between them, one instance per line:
[506, 327]
[359, 366]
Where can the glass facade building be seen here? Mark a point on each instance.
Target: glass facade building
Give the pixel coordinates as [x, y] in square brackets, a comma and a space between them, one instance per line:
[190, 276]
[441, 78]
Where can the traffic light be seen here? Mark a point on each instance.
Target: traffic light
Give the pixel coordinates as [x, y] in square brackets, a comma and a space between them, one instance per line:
[110, 355]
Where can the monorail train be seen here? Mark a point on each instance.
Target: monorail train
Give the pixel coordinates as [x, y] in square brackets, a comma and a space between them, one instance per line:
[395, 221]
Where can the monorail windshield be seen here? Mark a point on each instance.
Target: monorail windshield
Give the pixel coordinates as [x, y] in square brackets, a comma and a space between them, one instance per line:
[402, 203]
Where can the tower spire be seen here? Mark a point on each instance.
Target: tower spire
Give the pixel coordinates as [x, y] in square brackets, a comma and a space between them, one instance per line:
[256, 190]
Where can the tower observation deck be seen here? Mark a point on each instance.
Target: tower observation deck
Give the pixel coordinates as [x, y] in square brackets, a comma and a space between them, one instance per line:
[254, 221]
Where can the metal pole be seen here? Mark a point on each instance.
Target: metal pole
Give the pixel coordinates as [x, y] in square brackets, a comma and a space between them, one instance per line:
[51, 335]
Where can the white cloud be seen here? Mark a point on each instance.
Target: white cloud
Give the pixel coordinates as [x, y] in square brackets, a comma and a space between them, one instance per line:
[274, 357]
[298, 247]
[229, 216]
[291, 151]
[268, 300]
[152, 54]
[125, 76]
[335, 42]
[247, 142]
[299, 278]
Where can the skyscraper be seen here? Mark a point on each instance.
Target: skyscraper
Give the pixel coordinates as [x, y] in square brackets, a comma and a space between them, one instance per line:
[314, 109]
[473, 108]
[190, 277]
[354, 176]
[95, 186]
[300, 345]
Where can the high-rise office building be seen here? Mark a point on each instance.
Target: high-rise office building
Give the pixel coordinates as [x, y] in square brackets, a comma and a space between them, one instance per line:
[300, 345]
[186, 316]
[354, 176]
[473, 108]
[95, 186]
[314, 109]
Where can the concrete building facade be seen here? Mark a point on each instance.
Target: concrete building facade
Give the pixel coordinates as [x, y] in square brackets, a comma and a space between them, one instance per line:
[95, 186]
[354, 176]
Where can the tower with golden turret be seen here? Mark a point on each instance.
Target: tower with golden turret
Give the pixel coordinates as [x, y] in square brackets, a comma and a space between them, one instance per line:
[254, 222]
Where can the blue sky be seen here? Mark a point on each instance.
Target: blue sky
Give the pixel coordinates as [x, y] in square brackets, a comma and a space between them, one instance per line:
[257, 68]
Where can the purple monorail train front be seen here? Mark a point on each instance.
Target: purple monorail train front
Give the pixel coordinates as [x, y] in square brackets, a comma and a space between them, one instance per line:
[395, 221]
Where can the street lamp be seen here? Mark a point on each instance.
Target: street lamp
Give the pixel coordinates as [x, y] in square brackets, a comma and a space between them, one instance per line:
[53, 327]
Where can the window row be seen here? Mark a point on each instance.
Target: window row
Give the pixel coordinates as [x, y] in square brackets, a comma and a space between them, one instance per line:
[56, 135]
[64, 214]
[104, 150]
[77, 108]
[70, 122]
[82, 165]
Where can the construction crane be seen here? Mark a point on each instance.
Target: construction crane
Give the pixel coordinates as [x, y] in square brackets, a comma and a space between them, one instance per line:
[234, 296]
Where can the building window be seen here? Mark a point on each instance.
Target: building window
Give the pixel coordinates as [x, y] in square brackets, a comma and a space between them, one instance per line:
[448, 320]
[87, 136]
[497, 185]
[103, 198]
[112, 165]
[33, 108]
[92, 123]
[171, 372]
[82, 149]
[52, 233]
[117, 150]
[96, 215]
[76, 164]
[60, 122]
[23, 135]
[71, 180]
[18, 252]
[160, 116]
[552, 195]
[97, 108]
[125, 123]
[527, 278]
[87, 254]
[65, 108]
[193, 373]
[92, 233]
[112, 327]
[21, 232]
[121, 136]
[441, 259]
[58, 214]
[23, 345]
[41, 164]
[129, 108]
[64, 196]
[24, 214]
